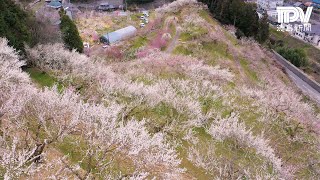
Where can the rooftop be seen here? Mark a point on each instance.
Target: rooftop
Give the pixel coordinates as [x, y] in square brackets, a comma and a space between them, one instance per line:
[315, 29]
[110, 2]
[55, 4]
[297, 4]
[120, 34]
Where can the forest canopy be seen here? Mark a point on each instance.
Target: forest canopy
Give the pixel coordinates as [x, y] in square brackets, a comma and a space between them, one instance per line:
[13, 24]
[242, 15]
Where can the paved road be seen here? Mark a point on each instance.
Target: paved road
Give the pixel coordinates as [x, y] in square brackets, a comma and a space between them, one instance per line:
[305, 88]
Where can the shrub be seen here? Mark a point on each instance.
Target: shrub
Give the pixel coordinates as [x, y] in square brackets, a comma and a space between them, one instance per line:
[296, 56]
[239, 34]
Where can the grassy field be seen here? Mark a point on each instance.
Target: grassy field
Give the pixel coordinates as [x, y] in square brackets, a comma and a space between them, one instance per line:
[250, 73]
[42, 78]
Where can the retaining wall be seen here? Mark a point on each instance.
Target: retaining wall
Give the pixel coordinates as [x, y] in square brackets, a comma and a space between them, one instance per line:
[296, 71]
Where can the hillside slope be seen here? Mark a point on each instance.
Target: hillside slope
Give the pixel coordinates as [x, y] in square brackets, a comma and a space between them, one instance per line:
[216, 107]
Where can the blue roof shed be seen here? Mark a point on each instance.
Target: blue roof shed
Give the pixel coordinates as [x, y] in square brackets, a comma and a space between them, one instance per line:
[118, 35]
[55, 4]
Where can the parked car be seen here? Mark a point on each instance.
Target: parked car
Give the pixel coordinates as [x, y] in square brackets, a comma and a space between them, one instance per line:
[53, 0]
[145, 13]
[86, 45]
[106, 7]
[112, 7]
[142, 17]
[142, 25]
[103, 7]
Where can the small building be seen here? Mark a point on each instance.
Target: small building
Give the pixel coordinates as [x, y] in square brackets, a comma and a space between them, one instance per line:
[298, 4]
[269, 4]
[313, 36]
[273, 14]
[110, 7]
[55, 4]
[300, 34]
[118, 35]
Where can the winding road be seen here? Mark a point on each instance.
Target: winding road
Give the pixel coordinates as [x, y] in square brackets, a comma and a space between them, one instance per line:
[305, 88]
[308, 86]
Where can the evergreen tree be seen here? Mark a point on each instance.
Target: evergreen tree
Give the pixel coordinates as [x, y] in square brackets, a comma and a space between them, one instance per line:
[13, 25]
[70, 33]
[263, 34]
[239, 34]
[238, 13]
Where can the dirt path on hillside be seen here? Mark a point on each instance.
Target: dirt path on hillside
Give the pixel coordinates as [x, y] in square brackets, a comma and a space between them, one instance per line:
[173, 43]
[239, 67]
